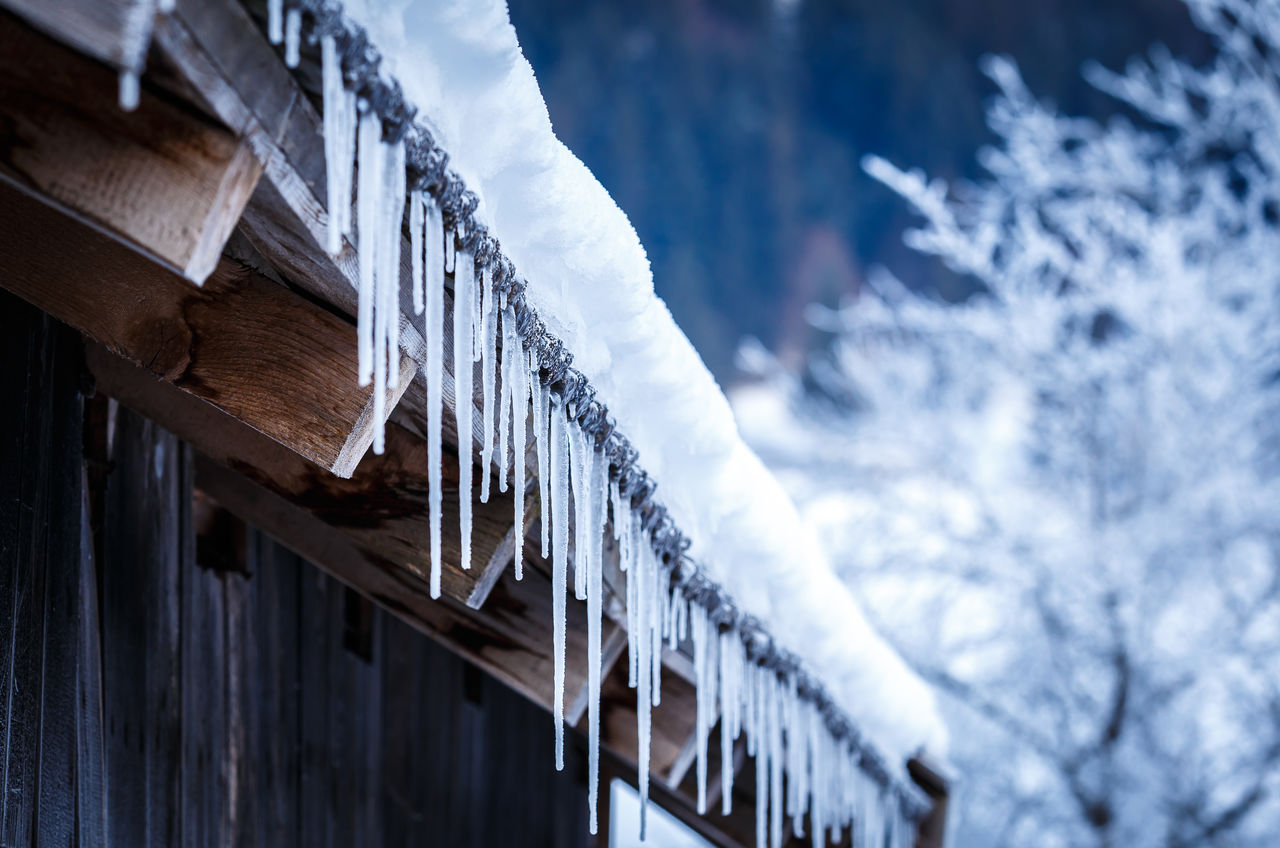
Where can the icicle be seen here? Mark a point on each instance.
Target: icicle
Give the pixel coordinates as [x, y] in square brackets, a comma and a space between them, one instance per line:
[642, 567]
[759, 726]
[660, 578]
[541, 402]
[559, 566]
[615, 502]
[463, 295]
[395, 220]
[581, 509]
[600, 509]
[506, 374]
[165, 7]
[634, 590]
[416, 233]
[434, 335]
[275, 21]
[682, 631]
[339, 144]
[728, 711]
[798, 746]
[481, 319]
[488, 336]
[776, 801]
[368, 202]
[292, 37]
[519, 415]
[387, 286]
[815, 777]
[595, 589]
[701, 640]
[130, 90]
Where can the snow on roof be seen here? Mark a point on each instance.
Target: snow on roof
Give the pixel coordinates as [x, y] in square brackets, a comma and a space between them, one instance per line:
[589, 279]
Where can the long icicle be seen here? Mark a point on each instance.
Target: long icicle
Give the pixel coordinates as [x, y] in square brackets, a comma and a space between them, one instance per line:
[701, 637]
[759, 727]
[417, 233]
[559, 565]
[381, 292]
[506, 375]
[338, 144]
[463, 295]
[433, 260]
[387, 286]
[369, 202]
[540, 426]
[488, 370]
[776, 802]
[595, 588]
[642, 566]
[634, 623]
[661, 581]
[729, 705]
[518, 397]
[581, 509]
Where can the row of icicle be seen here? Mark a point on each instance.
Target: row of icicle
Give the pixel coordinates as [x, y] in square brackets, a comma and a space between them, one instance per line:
[804, 771]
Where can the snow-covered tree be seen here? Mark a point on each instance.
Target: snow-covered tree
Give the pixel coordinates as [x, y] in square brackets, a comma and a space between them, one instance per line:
[1062, 498]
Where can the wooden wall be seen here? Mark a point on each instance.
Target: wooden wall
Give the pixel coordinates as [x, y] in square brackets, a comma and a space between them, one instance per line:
[171, 677]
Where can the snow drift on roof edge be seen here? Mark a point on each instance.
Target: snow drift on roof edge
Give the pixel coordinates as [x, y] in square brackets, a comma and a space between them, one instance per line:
[590, 280]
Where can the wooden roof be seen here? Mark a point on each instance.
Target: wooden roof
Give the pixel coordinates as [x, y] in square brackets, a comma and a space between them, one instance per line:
[183, 240]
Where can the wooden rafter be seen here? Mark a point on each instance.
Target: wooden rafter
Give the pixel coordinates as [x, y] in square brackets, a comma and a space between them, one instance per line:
[166, 180]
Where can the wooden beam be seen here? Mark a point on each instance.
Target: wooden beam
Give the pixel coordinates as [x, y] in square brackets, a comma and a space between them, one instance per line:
[250, 347]
[220, 56]
[116, 32]
[382, 509]
[164, 179]
[933, 828]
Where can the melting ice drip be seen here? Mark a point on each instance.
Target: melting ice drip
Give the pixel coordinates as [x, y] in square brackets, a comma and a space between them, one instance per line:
[804, 769]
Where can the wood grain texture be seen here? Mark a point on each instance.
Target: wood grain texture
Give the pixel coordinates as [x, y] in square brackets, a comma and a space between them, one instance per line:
[39, 579]
[162, 178]
[282, 365]
[217, 50]
[112, 31]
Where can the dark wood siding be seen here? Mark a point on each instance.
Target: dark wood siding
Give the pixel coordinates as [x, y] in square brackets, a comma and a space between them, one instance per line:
[171, 677]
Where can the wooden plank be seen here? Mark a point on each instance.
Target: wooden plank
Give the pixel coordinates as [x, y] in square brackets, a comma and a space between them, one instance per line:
[933, 828]
[217, 49]
[143, 558]
[91, 757]
[162, 178]
[207, 764]
[39, 550]
[282, 365]
[116, 32]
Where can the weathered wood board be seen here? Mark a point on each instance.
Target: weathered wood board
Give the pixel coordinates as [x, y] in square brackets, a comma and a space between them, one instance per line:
[163, 178]
[262, 354]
